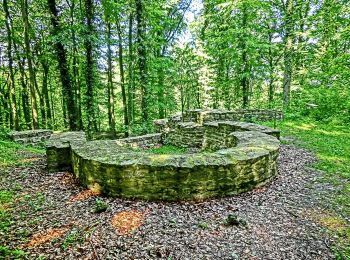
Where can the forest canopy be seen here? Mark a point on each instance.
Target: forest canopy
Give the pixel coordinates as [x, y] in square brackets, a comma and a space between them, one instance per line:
[117, 65]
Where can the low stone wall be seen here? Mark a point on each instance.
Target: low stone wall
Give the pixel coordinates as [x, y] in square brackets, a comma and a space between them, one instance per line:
[134, 174]
[231, 157]
[30, 136]
[201, 116]
[143, 141]
[259, 114]
[187, 135]
[58, 150]
[217, 137]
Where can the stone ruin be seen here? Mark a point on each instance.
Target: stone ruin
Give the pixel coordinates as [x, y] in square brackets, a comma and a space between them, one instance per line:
[224, 157]
[32, 137]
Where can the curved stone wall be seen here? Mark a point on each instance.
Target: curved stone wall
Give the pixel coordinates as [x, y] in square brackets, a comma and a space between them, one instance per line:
[115, 170]
[228, 158]
[30, 136]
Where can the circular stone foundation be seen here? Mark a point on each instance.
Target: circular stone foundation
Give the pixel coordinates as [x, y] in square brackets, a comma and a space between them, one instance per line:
[114, 170]
[232, 157]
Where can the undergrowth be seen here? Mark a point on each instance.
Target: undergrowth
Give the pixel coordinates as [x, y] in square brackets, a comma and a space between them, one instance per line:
[331, 144]
[11, 154]
[167, 149]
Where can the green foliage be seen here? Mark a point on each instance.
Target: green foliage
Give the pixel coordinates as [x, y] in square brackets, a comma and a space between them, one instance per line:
[167, 149]
[331, 143]
[7, 253]
[6, 198]
[100, 206]
[75, 236]
[203, 225]
[12, 153]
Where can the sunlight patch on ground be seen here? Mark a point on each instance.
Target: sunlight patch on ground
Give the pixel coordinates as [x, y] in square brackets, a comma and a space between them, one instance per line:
[47, 236]
[127, 221]
[327, 220]
[332, 133]
[302, 126]
[83, 195]
[29, 160]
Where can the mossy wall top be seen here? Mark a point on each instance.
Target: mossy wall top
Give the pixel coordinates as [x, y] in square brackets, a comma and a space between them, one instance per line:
[232, 157]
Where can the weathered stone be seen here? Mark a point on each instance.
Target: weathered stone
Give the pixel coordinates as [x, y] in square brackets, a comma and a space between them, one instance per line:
[30, 136]
[231, 157]
[58, 150]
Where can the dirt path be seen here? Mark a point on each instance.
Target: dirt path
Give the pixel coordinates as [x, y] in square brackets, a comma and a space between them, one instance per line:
[56, 220]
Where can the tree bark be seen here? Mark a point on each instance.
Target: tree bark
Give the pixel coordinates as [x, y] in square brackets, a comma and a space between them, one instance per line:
[122, 78]
[110, 104]
[142, 59]
[45, 93]
[245, 62]
[131, 90]
[32, 80]
[68, 92]
[14, 115]
[89, 69]
[288, 51]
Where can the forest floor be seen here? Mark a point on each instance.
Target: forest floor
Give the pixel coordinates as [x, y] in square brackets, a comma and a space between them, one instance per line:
[303, 214]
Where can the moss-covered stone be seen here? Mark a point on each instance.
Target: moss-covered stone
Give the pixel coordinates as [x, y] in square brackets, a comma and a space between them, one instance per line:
[235, 157]
[30, 136]
[58, 150]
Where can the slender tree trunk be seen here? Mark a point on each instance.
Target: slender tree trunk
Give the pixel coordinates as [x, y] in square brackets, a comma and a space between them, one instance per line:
[271, 73]
[122, 78]
[53, 122]
[142, 59]
[75, 70]
[131, 90]
[41, 100]
[45, 93]
[12, 87]
[89, 67]
[32, 80]
[245, 62]
[160, 92]
[89, 70]
[25, 96]
[288, 51]
[24, 90]
[110, 105]
[68, 93]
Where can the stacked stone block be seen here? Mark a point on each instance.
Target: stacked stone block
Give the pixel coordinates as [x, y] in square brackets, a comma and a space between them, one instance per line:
[232, 157]
[30, 136]
[58, 150]
[186, 135]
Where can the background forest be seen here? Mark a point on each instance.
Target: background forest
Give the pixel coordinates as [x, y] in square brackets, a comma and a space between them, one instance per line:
[117, 65]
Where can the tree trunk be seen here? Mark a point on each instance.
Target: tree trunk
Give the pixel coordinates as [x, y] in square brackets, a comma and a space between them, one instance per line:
[288, 51]
[75, 70]
[271, 73]
[14, 115]
[68, 93]
[131, 90]
[122, 79]
[160, 92]
[142, 59]
[110, 105]
[89, 69]
[45, 93]
[245, 64]
[24, 9]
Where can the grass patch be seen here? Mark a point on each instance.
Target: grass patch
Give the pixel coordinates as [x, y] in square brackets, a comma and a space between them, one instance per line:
[6, 198]
[7, 253]
[331, 144]
[13, 154]
[167, 149]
